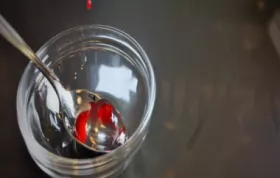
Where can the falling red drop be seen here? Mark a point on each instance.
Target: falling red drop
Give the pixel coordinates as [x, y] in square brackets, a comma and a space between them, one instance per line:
[89, 4]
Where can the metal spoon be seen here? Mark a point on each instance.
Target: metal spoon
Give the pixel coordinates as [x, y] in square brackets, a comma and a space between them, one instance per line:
[100, 136]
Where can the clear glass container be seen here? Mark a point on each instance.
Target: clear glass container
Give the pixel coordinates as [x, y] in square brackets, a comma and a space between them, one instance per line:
[105, 61]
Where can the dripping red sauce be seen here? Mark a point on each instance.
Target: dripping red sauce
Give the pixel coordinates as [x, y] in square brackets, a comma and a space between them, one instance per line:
[89, 4]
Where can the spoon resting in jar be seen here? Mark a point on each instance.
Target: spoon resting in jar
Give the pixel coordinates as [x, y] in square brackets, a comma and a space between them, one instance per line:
[89, 119]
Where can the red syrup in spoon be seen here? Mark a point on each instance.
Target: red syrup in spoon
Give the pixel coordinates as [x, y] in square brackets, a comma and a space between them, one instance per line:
[101, 127]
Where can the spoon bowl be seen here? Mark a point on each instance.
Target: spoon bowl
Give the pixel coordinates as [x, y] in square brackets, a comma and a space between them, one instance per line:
[102, 129]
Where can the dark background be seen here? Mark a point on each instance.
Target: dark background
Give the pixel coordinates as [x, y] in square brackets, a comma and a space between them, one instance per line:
[218, 99]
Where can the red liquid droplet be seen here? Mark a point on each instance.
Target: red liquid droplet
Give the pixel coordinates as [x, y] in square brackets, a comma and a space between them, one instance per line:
[81, 121]
[89, 4]
[105, 112]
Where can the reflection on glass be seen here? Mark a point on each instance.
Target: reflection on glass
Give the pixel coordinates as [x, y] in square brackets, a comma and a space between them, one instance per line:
[122, 81]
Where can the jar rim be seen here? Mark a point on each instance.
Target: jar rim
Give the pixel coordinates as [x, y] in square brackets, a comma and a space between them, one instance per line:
[145, 118]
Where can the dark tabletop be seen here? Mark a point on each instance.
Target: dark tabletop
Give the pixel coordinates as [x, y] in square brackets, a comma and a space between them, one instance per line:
[218, 98]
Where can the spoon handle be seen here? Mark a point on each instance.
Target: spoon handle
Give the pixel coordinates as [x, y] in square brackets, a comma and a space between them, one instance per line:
[7, 31]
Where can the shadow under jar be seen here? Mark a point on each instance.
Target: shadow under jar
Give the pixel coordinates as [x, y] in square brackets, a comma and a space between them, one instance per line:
[100, 59]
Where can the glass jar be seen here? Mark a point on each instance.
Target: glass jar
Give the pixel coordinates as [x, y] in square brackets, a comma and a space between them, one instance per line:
[105, 61]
